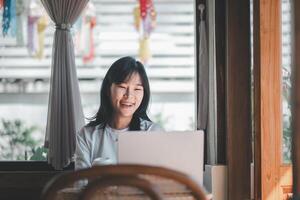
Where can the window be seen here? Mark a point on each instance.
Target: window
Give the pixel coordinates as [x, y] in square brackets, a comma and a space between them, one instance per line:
[286, 80]
[25, 68]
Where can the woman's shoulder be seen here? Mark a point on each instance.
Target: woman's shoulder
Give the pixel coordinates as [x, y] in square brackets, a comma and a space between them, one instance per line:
[88, 130]
[147, 125]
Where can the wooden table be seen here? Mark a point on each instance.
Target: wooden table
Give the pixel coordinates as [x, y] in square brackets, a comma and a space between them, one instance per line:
[124, 194]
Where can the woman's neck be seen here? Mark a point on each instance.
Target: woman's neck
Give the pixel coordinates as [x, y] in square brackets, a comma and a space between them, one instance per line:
[120, 122]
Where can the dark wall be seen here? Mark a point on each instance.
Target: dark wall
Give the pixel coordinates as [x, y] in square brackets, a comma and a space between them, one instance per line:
[26, 185]
[25, 179]
[220, 39]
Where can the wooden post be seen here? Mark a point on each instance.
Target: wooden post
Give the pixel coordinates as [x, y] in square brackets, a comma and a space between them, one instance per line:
[238, 98]
[267, 98]
[296, 101]
[220, 19]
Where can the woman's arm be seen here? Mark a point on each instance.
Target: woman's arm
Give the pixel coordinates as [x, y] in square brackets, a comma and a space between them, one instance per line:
[82, 153]
[155, 127]
[150, 126]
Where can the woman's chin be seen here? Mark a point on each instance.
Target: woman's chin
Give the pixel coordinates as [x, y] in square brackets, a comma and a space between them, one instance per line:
[126, 113]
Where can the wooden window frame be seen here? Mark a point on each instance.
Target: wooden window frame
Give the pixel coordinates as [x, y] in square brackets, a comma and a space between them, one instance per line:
[30, 166]
[238, 98]
[272, 178]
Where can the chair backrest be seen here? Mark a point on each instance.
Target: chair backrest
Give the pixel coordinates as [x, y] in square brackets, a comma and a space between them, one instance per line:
[96, 187]
[148, 172]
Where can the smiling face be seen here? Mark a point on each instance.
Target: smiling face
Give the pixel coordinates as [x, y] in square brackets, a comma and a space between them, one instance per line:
[126, 97]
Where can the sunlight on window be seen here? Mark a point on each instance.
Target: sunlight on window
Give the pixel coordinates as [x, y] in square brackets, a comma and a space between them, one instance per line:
[286, 80]
[105, 31]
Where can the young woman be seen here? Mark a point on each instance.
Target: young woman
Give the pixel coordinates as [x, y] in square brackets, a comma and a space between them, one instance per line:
[124, 99]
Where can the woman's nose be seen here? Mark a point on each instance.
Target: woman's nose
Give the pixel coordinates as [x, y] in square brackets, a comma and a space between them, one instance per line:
[128, 93]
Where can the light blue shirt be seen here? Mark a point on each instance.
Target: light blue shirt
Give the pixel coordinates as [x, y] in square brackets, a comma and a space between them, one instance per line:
[99, 146]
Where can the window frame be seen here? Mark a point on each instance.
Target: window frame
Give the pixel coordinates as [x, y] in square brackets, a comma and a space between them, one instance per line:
[31, 166]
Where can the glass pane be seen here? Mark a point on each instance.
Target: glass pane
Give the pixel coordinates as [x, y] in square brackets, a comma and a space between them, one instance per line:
[24, 72]
[104, 32]
[286, 80]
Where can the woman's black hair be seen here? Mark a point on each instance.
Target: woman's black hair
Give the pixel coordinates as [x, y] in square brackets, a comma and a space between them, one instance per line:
[119, 72]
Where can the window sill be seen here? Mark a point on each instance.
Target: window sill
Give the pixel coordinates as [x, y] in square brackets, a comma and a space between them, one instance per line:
[26, 179]
[30, 166]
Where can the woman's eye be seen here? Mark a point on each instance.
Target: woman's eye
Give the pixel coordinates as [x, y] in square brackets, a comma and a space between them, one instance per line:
[122, 86]
[138, 89]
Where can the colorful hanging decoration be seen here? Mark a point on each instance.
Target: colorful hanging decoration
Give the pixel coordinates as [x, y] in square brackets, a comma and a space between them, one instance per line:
[145, 22]
[90, 21]
[85, 39]
[76, 33]
[6, 16]
[89, 56]
[35, 12]
[20, 10]
[1, 3]
[137, 17]
[42, 24]
[31, 33]
[11, 19]
[144, 50]
[13, 25]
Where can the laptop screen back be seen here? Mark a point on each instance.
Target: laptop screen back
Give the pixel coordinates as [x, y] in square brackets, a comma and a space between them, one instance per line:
[181, 151]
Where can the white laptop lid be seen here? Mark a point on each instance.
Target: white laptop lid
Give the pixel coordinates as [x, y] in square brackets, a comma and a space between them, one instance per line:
[181, 151]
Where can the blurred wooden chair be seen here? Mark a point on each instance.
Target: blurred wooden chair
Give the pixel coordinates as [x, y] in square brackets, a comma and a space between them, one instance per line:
[171, 183]
[95, 190]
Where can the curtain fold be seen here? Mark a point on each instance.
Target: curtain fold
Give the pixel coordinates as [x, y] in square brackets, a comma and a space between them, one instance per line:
[206, 105]
[203, 70]
[65, 114]
[212, 139]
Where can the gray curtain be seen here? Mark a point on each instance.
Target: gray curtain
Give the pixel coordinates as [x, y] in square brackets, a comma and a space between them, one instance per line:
[207, 111]
[65, 115]
[203, 70]
[212, 139]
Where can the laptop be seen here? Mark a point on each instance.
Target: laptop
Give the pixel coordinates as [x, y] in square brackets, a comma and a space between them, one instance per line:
[181, 151]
